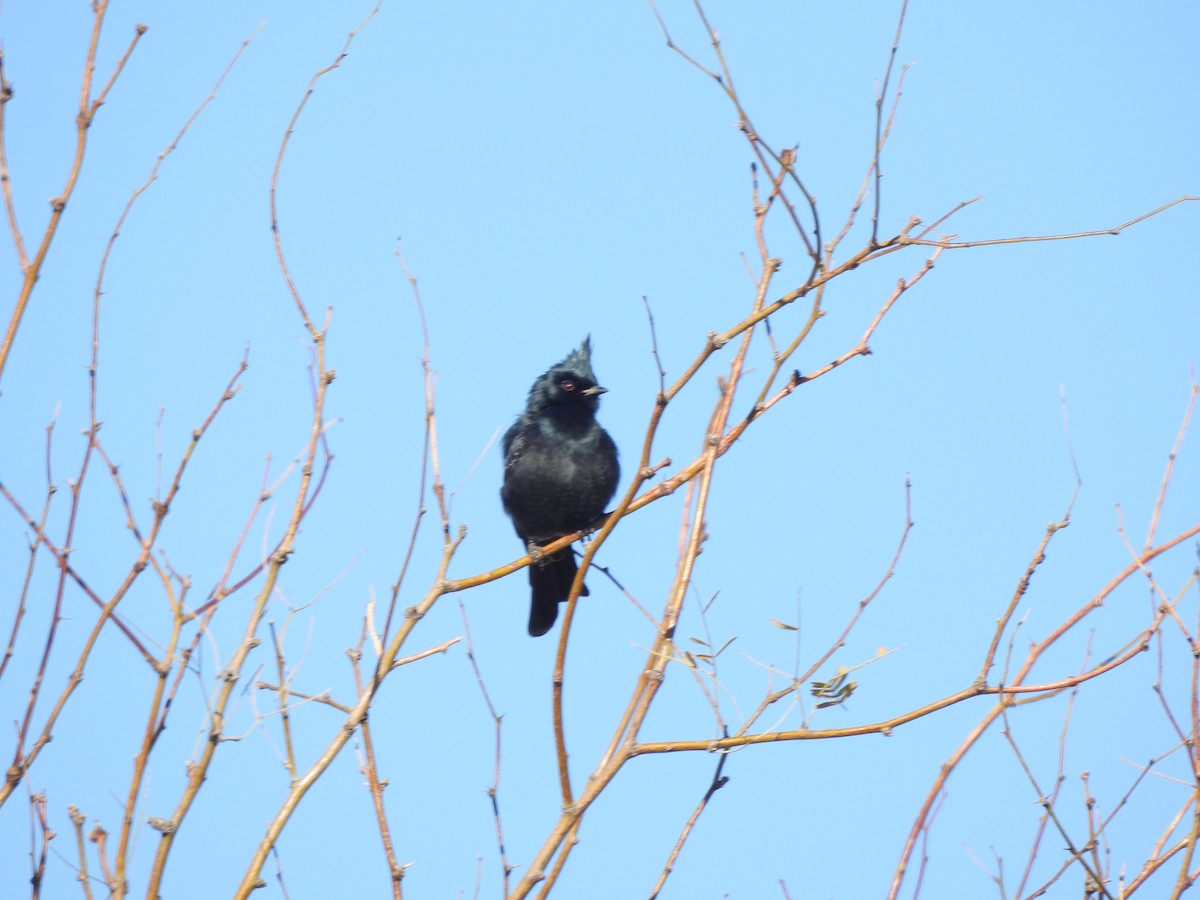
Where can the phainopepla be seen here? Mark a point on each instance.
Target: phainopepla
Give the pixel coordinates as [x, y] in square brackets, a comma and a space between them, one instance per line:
[560, 470]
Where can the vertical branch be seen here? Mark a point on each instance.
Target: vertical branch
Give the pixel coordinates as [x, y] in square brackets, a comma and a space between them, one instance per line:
[376, 785]
[1170, 469]
[37, 810]
[879, 131]
[99, 837]
[925, 846]
[153, 729]
[287, 136]
[77, 822]
[289, 748]
[494, 790]
[1039, 557]
[429, 447]
[83, 121]
[1186, 878]
[367, 762]
[6, 95]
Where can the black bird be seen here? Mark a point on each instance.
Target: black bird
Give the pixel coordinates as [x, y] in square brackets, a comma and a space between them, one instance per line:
[560, 471]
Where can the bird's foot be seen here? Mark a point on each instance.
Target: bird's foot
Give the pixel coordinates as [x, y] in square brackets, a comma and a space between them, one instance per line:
[536, 553]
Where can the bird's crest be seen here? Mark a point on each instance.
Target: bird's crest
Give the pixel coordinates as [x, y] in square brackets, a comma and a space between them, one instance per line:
[580, 361]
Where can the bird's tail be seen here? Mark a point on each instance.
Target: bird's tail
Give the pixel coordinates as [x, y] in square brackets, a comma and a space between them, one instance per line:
[551, 581]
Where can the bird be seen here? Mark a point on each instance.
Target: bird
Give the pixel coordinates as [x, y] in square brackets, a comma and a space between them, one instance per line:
[560, 471]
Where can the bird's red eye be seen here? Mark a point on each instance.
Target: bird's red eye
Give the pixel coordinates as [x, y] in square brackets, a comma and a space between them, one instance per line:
[568, 386]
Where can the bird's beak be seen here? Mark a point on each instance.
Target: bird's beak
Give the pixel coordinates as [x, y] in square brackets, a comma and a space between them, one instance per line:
[594, 390]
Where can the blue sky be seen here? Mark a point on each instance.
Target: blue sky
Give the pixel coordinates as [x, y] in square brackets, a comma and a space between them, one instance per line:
[546, 167]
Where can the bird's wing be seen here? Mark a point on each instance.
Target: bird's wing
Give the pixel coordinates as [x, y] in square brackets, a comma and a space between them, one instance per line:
[515, 444]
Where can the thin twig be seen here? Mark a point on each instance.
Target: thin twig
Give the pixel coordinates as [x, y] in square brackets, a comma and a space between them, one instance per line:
[31, 271]
[718, 781]
[493, 790]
